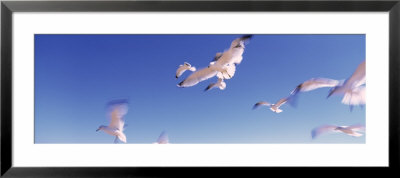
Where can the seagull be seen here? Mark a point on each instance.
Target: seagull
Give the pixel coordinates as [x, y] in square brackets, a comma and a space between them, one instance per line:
[353, 130]
[234, 54]
[314, 83]
[353, 88]
[220, 84]
[118, 110]
[222, 63]
[183, 67]
[273, 107]
[162, 139]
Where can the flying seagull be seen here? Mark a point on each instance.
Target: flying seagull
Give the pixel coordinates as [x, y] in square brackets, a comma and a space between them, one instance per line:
[353, 88]
[223, 63]
[314, 83]
[353, 130]
[117, 110]
[220, 84]
[273, 107]
[183, 67]
[234, 54]
[163, 138]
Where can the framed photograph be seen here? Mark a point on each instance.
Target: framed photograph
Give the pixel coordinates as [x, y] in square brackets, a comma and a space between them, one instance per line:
[136, 88]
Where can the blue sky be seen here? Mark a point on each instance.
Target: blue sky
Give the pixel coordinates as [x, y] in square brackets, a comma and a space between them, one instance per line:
[77, 75]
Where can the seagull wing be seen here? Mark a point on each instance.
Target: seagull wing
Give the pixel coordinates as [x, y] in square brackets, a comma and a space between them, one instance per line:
[198, 76]
[210, 86]
[315, 83]
[322, 129]
[118, 111]
[180, 70]
[355, 97]
[358, 77]
[260, 104]
[281, 102]
[217, 56]
[163, 138]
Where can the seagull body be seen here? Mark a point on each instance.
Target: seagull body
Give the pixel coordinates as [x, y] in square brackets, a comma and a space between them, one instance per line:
[184, 67]
[220, 84]
[353, 88]
[228, 73]
[353, 130]
[117, 111]
[234, 54]
[162, 139]
[273, 107]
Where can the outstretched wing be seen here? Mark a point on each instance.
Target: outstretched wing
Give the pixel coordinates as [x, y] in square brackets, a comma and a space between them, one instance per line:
[322, 129]
[261, 103]
[117, 110]
[281, 102]
[197, 77]
[358, 77]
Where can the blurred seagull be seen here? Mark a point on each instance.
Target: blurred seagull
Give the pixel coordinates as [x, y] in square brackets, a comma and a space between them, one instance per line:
[353, 130]
[223, 63]
[162, 139]
[183, 67]
[117, 110]
[273, 107]
[314, 83]
[353, 88]
[220, 84]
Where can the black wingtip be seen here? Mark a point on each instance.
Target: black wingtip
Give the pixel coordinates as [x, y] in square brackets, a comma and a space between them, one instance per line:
[176, 76]
[255, 106]
[180, 84]
[245, 37]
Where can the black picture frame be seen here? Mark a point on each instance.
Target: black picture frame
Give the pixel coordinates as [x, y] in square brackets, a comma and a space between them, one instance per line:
[8, 7]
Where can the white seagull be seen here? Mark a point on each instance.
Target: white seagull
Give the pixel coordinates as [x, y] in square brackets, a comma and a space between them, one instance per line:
[223, 64]
[162, 139]
[353, 130]
[353, 88]
[220, 84]
[234, 54]
[273, 107]
[314, 83]
[117, 110]
[183, 67]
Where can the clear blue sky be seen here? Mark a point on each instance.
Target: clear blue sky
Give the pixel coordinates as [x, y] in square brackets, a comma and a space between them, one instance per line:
[77, 75]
